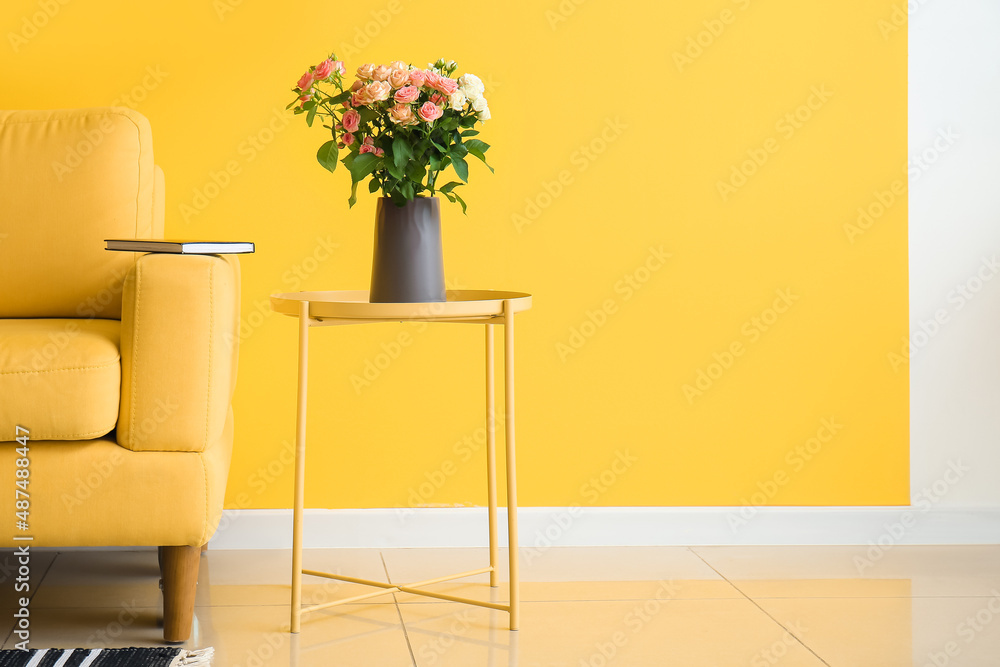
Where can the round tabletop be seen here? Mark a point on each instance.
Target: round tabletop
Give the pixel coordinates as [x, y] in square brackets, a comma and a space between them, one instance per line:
[354, 304]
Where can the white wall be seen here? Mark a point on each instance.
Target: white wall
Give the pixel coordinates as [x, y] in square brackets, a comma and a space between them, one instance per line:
[954, 224]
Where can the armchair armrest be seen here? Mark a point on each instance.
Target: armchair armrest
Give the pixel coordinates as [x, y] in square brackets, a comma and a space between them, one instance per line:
[179, 340]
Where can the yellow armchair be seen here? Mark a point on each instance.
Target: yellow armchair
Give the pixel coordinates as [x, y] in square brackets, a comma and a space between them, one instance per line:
[120, 366]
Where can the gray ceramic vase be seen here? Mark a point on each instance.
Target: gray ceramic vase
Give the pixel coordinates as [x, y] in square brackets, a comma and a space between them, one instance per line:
[407, 265]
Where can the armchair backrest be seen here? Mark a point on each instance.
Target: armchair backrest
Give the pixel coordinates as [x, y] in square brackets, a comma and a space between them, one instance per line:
[68, 180]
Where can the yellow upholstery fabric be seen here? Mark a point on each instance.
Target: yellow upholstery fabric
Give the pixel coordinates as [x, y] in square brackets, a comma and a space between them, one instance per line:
[69, 180]
[96, 493]
[159, 369]
[179, 332]
[59, 378]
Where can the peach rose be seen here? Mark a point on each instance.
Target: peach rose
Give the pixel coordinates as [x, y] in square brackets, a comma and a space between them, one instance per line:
[381, 73]
[356, 86]
[323, 70]
[352, 119]
[377, 91]
[407, 95]
[366, 71]
[305, 81]
[399, 78]
[399, 64]
[429, 112]
[402, 114]
[361, 98]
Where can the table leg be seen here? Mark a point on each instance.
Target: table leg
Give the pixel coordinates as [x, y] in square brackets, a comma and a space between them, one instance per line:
[515, 596]
[491, 459]
[300, 465]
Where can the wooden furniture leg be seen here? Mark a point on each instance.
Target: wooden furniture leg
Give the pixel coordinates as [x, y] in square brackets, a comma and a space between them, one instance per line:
[180, 580]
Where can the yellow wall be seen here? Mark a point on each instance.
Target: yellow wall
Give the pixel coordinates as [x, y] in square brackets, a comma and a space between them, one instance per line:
[609, 150]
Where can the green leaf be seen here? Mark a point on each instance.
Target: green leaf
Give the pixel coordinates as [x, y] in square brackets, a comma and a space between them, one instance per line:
[416, 172]
[401, 152]
[461, 167]
[434, 162]
[470, 133]
[293, 103]
[368, 114]
[449, 187]
[373, 185]
[468, 121]
[362, 165]
[312, 115]
[354, 195]
[460, 201]
[342, 97]
[327, 155]
[479, 148]
[394, 170]
[459, 150]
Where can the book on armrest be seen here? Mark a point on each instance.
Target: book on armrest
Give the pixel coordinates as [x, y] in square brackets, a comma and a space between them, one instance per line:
[180, 247]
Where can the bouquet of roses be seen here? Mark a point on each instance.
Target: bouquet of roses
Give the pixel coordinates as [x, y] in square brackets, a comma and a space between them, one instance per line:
[400, 125]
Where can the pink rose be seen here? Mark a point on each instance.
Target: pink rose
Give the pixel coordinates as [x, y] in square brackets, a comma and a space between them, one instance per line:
[346, 139]
[323, 70]
[407, 95]
[369, 147]
[399, 78]
[366, 71]
[352, 119]
[381, 73]
[378, 91]
[402, 114]
[445, 85]
[418, 78]
[430, 78]
[430, 112]
[438, 99]
[339, 66]
[306, 81]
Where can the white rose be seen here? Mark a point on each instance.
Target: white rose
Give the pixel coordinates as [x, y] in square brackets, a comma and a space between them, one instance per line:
[457, 100]
[480, 104]
[484, 114]
[471, 82]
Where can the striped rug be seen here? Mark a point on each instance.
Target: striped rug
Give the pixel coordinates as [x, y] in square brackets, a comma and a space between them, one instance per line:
[107, 657]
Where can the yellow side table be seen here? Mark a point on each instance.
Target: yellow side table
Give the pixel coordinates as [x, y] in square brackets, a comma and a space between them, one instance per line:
[317, 309]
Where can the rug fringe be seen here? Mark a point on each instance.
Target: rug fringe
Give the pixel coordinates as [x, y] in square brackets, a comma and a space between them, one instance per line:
[199, 658]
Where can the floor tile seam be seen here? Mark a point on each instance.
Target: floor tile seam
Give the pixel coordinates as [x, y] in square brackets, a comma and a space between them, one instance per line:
[762, 610]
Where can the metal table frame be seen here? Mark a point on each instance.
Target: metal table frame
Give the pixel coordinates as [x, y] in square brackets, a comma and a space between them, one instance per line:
[339, 308]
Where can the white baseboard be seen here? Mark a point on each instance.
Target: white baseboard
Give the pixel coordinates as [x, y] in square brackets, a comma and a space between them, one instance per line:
[612, 526]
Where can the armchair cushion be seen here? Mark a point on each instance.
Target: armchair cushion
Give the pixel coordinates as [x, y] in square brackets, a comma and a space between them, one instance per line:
[68, 180]
[59, 378]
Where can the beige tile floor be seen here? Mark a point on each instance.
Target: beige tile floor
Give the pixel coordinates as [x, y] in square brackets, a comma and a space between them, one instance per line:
[581, 607]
